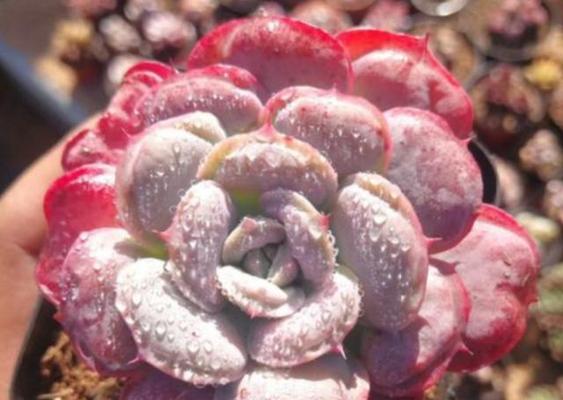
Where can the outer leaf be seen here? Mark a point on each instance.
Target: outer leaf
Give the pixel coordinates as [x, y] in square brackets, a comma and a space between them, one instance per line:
[238, 109]
[408, 362]
[266, 46]
[397, 70]
[87, 310]
[436, 172]
[498, 263]
[91, 188]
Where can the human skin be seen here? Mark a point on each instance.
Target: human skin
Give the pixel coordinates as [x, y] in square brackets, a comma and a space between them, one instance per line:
[22, 231]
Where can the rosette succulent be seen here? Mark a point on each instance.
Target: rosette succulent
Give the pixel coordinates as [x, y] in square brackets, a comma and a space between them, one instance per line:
[220, 231]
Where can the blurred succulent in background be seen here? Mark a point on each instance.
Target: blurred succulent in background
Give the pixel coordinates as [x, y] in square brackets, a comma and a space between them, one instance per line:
[549, 310]
[220, 231]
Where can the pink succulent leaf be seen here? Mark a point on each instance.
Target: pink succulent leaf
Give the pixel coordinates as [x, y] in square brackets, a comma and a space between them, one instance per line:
[308, 237]
[153, 176]
[498, 263]
[87, 310]
[174, 335]
[238, 109]
[89, 146]
[408, 362]
[267, 46]
[148, 72]
[105, 142]
[195, 242]
[319, 326]
[251, 233]
[91, 188]
[256, 296]
[437, 173]
[256, 263]
[239, 77]
[349, 131]
[284, 268]
[328, 378]
[199, 123]
[380, 239]
[398, 70]
[156, 385]
[249, 165]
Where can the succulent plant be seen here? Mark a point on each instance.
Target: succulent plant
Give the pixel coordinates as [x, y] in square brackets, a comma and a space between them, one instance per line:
[229, 226]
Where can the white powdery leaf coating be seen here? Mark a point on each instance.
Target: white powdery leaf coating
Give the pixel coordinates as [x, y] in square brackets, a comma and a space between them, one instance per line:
[436, 171]
[408, 362]
[174, 335]
[195, 241]
[256, 263]
[250, 234]
[349, 131]
[154, 174]
[308, 236]
[329, 378]
[284, 268]
[258, 297]
[237, 109]
[202, 124]
[319, 326]
[380, 239]
[255, 163]
[87, 309]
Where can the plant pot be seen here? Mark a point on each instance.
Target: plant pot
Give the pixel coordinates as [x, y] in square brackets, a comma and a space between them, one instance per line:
[27, 381]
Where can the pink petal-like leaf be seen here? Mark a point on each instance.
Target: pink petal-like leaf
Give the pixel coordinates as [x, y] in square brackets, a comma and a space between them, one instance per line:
[308, 236]
[173, 334]
[498, 263]
[258, 297]
[279, 51]
[328, 378]
[81, 200]
[436, 171]
[153, 176]
[380, 239]
[284, 268]
[397, 70]
[249, 165]
[319, 326]
[238, 109]
[195, 241]
[408, 362]
[250, 234]
[87, 311]
[349, 131]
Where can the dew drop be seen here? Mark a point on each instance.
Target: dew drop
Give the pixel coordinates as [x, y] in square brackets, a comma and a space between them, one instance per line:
[160, 330]
[193, 347]
[379, 218]
[207, 346]
[136, 299]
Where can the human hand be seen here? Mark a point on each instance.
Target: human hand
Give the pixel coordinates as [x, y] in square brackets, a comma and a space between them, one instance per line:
[22, 232]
